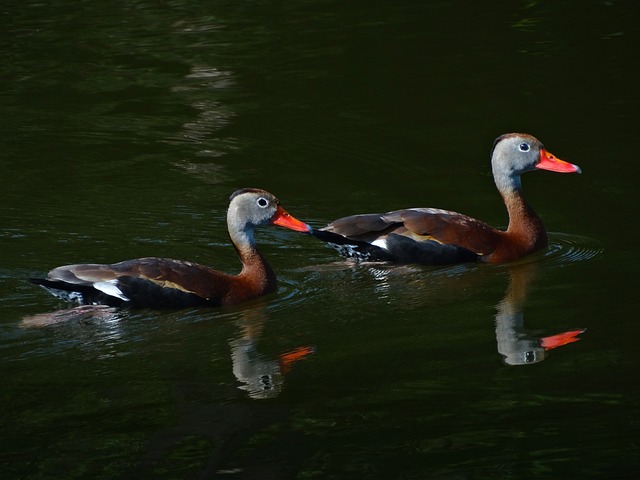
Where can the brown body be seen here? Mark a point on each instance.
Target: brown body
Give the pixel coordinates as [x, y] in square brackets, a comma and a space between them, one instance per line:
[430, 235]
[164, 282]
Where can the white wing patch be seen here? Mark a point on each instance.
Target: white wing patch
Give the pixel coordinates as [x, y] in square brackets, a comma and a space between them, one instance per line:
[380, 242]
[110, 288]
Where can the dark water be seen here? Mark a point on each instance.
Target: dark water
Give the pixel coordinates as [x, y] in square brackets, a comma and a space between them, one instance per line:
[127, 124]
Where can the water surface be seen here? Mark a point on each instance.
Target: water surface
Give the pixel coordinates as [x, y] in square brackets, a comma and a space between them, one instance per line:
[127, 125]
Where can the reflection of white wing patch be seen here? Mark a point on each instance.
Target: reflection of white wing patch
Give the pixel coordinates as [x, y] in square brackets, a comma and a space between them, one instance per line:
[110, 288]
[350, 251]
[73, 297]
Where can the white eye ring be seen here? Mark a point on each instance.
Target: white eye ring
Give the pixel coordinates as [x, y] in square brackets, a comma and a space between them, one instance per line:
[262, 202]
[524, 147]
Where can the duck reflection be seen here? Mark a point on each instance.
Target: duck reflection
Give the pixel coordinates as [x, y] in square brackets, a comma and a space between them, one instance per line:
[260, 375]
[79, 314]
[517, 345]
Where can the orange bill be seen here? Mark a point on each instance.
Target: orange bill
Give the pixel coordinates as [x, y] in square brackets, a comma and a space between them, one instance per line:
[548, 161]
[283, 219]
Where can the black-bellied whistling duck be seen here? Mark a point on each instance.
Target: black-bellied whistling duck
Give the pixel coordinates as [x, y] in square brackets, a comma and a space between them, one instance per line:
[438, 237]
[163, 282]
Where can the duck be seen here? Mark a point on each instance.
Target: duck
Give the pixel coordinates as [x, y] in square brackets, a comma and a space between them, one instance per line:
[153, 282]
[440, 237]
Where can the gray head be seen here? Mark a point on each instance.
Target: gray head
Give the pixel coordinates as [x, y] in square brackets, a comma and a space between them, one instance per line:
[516, 153]
[253, 207]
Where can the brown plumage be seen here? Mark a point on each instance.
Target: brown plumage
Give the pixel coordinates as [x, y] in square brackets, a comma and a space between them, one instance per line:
[434, 236]
[164, 282]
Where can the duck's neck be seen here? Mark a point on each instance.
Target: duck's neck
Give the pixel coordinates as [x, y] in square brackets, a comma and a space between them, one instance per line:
[256, 273]
[525, 227]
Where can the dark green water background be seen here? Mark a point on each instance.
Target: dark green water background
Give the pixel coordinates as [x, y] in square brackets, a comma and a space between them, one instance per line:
[126, 125]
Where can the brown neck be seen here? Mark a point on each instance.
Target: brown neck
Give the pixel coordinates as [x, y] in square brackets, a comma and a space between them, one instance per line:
[525, 227]
[256, 274]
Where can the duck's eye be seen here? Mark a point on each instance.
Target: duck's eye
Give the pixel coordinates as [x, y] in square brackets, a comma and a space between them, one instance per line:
[524, 147]
[263, 202]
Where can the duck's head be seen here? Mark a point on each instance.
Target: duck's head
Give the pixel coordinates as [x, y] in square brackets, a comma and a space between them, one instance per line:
[252, 207]
[516, 153]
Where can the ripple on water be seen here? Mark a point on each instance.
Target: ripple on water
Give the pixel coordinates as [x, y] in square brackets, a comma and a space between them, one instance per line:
[565, 249]
[416, 285]
[290, 294]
